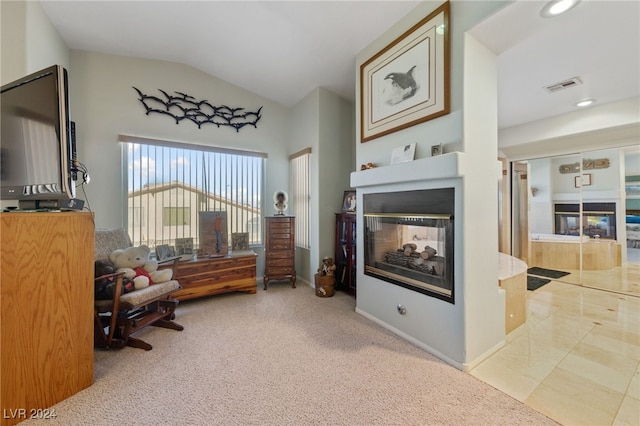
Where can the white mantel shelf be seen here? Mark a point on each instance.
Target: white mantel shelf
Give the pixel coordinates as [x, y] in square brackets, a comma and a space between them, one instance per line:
[440, 167]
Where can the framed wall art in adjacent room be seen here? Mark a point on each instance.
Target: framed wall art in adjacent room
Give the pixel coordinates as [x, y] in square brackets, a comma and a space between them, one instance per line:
[584, 180]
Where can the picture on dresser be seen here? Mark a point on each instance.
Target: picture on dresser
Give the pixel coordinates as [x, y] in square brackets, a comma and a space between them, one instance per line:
[213, 233]
[162, 251]
[184, 246]
[240, 241]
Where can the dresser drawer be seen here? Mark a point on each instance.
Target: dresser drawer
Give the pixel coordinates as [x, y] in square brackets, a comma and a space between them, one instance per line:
[278, 245]
[284, 261]
[279, 270]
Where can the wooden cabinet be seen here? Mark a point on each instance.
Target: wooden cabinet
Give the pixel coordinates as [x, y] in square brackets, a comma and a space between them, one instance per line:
[209, 276]
[596, 254]
[46, 314]
[345, 255]
[512, 278]
[280, 250]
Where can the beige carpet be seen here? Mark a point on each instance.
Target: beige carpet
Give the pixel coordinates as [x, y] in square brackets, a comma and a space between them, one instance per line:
[282, 357]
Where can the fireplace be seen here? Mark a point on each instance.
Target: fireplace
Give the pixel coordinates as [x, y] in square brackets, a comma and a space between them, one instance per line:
[408, 239]
[598, 219]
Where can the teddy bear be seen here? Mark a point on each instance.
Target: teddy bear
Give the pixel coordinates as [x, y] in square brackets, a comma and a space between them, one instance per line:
[135, 263]
[105, 286]
[327, 268]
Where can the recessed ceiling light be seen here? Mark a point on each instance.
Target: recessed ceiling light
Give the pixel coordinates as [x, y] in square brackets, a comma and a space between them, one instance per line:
[557, 7]
[585, 103]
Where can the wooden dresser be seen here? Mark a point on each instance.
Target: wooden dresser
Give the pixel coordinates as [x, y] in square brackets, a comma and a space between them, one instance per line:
[280, 250]
[46, 295]
[209, 276]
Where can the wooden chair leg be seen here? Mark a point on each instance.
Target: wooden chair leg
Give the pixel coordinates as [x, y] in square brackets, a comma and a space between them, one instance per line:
[99, 336]
[168, 324]
[138, 343]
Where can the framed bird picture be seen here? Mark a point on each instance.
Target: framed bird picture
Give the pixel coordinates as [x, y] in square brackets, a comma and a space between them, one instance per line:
[408, 81]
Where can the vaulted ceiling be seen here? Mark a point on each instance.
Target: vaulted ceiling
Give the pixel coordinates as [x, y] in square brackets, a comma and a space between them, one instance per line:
[282, 50]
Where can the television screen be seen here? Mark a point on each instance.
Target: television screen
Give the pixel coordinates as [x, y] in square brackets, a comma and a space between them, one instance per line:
[35, 149]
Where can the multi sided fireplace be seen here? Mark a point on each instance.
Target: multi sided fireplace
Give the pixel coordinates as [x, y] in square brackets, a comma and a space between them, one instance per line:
[408, 240]
[598, 219]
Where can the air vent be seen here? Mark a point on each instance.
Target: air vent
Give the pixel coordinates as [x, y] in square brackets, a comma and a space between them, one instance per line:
[575, 81]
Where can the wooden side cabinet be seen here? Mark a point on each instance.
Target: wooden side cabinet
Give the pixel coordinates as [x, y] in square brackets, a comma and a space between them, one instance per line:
[345, 256]
[208, 276]
[280, 250]
[46, 314]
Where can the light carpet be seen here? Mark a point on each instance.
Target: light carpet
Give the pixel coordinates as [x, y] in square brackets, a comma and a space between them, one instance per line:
[282, 357]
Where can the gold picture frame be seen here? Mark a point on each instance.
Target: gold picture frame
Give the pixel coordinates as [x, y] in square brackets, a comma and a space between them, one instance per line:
[408, 82]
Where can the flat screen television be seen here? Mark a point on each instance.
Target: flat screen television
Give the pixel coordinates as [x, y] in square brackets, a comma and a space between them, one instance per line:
[37, 147]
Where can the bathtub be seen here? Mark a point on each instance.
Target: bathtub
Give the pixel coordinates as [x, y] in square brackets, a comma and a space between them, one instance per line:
[564, 252]
[559, 238]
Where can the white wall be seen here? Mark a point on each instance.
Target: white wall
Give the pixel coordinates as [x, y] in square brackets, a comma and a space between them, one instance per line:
[541, 207]
[463, 333]
[104, 105]
[305, 134]
[335, 163]
[323, 121]
[615, 124]
[29, 40]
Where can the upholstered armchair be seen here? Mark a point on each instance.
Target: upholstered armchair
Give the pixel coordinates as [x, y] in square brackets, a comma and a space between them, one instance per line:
[117, 319]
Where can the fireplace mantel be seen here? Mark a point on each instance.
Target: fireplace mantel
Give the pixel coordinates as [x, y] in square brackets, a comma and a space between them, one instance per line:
[439, 167]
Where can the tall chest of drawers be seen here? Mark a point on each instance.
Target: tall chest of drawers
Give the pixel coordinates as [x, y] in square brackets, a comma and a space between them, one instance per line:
[280, 252]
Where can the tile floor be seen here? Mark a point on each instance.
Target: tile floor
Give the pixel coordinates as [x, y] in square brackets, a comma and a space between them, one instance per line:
[576, 359]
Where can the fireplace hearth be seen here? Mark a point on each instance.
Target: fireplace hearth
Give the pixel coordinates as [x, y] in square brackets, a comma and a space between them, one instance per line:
[408, 239]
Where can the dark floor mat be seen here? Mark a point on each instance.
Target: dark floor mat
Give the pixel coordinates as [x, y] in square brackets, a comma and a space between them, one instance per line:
[549, 273]
[534, 283]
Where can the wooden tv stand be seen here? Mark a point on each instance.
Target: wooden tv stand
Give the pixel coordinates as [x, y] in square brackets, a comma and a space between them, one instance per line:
[216, 275]
[46, 311]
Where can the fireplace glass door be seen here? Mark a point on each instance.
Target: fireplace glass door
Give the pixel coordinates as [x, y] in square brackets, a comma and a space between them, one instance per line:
[413, 251]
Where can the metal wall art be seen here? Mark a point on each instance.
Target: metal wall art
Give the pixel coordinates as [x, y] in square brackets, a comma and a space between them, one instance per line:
[186, 107]
[587, 164]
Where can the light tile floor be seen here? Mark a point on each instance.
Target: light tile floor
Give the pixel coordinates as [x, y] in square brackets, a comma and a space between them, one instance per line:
[576, 359]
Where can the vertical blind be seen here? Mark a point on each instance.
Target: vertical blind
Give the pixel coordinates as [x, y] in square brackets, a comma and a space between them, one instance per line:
[299, 165]
[169, 184]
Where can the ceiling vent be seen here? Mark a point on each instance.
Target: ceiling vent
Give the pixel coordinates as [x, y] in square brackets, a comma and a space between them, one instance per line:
[575, 81]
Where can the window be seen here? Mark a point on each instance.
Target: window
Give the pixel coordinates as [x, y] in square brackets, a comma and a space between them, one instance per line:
[176, 216]
[169, 183]
[300, 194]
[136, 215]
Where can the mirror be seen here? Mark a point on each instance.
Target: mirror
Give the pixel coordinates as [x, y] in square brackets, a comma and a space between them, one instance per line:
[578, 215]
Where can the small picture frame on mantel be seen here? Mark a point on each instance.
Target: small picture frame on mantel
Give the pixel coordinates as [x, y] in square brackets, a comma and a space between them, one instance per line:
[436, 150]
[403, 154]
